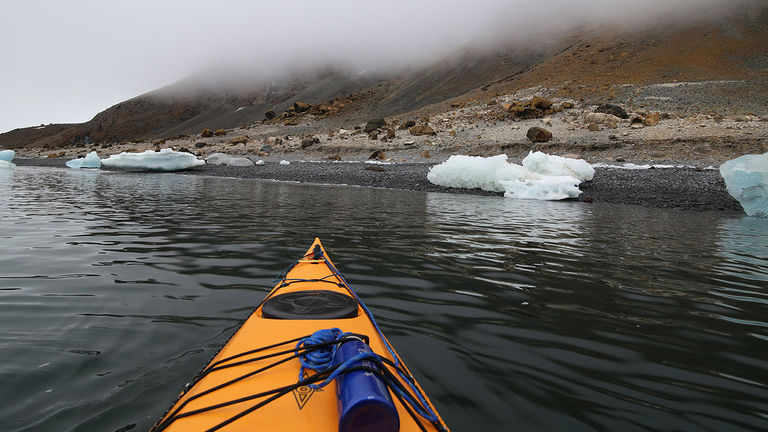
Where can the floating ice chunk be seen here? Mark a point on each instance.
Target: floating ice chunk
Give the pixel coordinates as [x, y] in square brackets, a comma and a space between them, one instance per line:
[6, 164]
[225, 159]
[545, 188]
[164, 160]
[91, 160]
[7, 155]
[543, 163]
[259, 162]
[284, 162]
[746, 179]
[497, 175]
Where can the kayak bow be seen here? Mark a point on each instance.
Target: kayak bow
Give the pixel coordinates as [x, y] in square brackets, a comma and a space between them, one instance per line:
[309, 358]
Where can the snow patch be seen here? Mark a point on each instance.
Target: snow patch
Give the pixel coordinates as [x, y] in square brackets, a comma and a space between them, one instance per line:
[164, 160]
[378, 162]
[225, 159]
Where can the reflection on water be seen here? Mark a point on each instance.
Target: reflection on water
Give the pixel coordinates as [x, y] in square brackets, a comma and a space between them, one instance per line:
[515, 315]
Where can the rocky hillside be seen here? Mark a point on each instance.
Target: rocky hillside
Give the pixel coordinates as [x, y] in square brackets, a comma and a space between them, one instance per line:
[587, 65]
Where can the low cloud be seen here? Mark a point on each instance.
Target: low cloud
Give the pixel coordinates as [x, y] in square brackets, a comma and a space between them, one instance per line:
[66, 61]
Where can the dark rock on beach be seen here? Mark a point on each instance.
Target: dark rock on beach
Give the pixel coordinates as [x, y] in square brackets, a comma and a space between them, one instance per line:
[422, 130]
[613, 110]
[539, 135]
[374, 124]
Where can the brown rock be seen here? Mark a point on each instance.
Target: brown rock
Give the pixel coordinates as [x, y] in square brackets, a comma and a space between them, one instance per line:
[378, 154]
[534, 108]
[206, 133]
[220, 132]
[541, 103]
[293, 121]
[452, 133]
[566, 105]
[425, 154]
[374, 168]
[652, 119]
[335, 157]
[407, 125]
[422, 130]
[300, 107]
[390, 133]
[373, 136]
[306, 142]
[374, 124]
[537, 134]
[239, 140]
[269, 115]
[594, 127]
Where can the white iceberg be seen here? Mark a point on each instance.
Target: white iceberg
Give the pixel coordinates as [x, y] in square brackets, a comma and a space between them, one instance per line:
[259, 162]
[6, 164]
[284, 162]
[7, 155]
[164, 160]
[225, 159]
[545, 177]
[91, 160]
[543, 163]
[550, 188]
[746, 179]
[473, 172]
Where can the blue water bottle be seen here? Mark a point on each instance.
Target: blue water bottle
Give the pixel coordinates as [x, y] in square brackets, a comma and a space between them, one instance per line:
[365, 404]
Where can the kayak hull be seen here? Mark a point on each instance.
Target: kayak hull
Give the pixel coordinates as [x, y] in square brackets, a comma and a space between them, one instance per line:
[233, 376]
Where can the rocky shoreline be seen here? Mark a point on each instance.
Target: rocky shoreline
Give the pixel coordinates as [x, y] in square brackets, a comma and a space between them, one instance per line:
[670, 188]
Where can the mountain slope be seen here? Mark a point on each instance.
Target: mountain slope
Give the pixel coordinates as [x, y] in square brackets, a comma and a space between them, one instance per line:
[589, 64]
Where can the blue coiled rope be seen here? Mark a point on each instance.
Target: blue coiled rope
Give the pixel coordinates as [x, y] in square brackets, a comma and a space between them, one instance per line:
[323, 360]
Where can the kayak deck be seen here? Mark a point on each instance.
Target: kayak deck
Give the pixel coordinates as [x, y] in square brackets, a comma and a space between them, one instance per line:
[236, 379]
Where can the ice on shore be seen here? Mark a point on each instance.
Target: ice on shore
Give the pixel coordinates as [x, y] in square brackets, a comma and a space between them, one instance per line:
[164, 160]
[284, 162]
[746, 179]
[91, 160]
[550, 188]
[225, 159]
[7, 155]
[542, 177]
[542, 163]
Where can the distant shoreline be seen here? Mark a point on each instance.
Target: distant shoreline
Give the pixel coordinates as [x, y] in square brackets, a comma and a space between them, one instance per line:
[670, 188]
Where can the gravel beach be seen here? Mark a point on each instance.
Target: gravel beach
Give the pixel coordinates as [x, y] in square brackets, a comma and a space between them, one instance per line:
[673, 188]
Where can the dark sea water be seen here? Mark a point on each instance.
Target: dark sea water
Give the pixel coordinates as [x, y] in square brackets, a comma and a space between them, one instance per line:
[116, 288]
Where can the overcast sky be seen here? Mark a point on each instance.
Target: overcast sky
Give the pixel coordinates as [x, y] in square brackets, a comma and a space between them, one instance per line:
[65, 61]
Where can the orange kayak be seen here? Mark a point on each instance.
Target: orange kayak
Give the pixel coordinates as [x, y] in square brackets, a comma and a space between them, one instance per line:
[309, 358]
